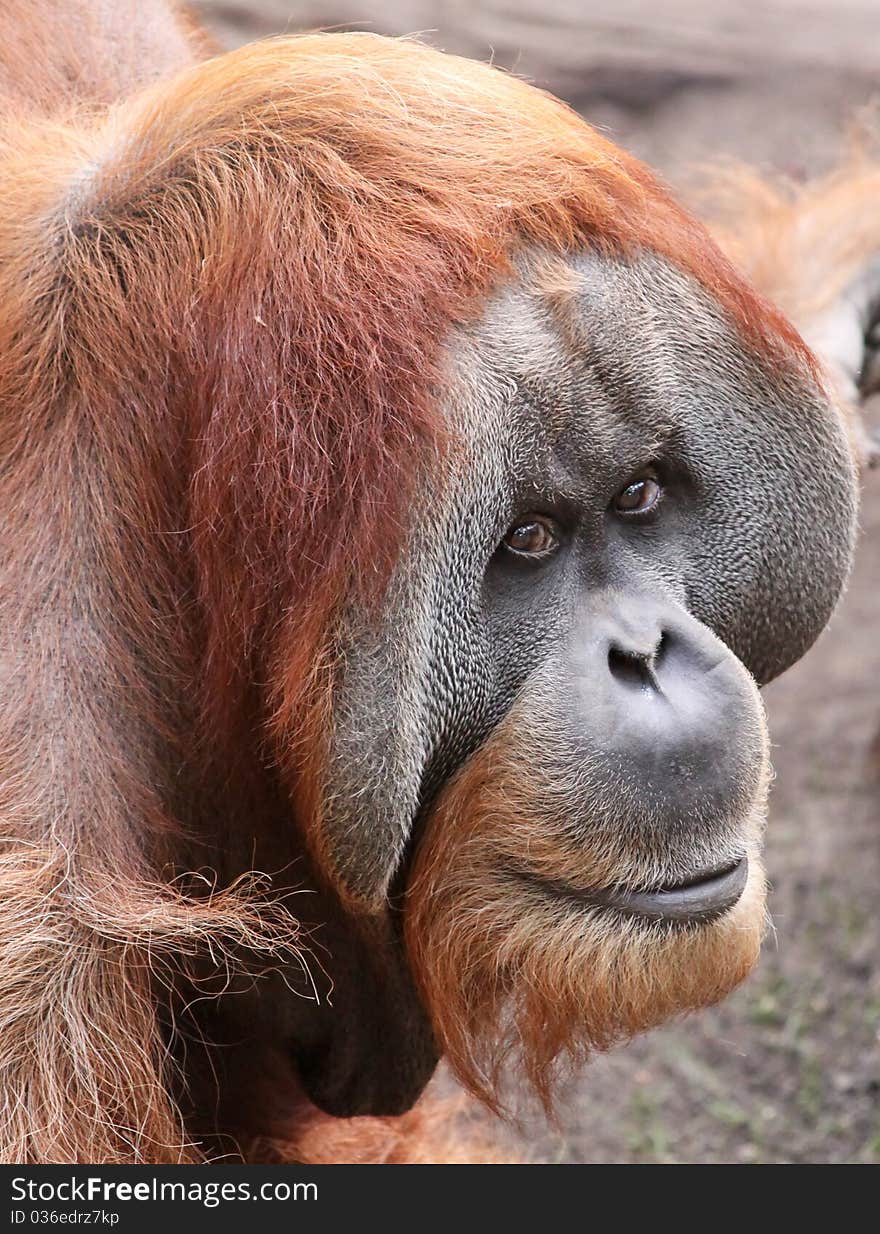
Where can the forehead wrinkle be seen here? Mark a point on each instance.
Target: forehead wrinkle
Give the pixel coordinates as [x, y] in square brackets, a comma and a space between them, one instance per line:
[558, 287]
[579, 348]
[580, 298]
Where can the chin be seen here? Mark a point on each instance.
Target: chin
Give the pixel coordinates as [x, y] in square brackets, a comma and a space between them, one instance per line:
[532, 958]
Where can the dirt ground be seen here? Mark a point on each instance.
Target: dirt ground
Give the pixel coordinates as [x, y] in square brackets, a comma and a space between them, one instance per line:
[788, 1069]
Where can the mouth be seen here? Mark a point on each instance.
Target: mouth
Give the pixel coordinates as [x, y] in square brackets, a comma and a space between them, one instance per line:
[700, 899]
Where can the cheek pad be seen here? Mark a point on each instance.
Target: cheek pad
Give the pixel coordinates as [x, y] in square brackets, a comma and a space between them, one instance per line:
[770, 539]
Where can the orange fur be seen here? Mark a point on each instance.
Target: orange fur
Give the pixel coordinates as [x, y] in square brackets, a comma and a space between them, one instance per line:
[90, 51]
[800, 244]
[804, 246]
[436, 1131]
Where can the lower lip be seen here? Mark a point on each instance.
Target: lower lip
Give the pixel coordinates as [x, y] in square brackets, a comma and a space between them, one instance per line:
[694, 903]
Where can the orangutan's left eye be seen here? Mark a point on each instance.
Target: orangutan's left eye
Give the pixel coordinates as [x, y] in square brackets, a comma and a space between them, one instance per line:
[640, 496]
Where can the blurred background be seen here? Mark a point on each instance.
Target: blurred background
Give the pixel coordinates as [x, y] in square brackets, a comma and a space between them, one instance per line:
[788, 1069]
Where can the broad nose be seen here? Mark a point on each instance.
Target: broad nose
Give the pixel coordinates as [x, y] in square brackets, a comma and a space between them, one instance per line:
[665, 702]
[663, 710]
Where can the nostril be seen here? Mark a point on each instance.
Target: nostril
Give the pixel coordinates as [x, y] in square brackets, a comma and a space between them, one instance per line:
[631, 668]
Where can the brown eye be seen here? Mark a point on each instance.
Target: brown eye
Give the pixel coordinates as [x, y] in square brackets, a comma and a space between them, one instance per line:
[534, 536]
[639, 496]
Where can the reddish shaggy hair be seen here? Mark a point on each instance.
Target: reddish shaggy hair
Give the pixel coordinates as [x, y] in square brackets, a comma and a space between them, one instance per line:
[222, 313]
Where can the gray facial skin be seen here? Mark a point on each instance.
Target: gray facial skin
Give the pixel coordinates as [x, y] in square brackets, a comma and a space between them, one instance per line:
[560, 401]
